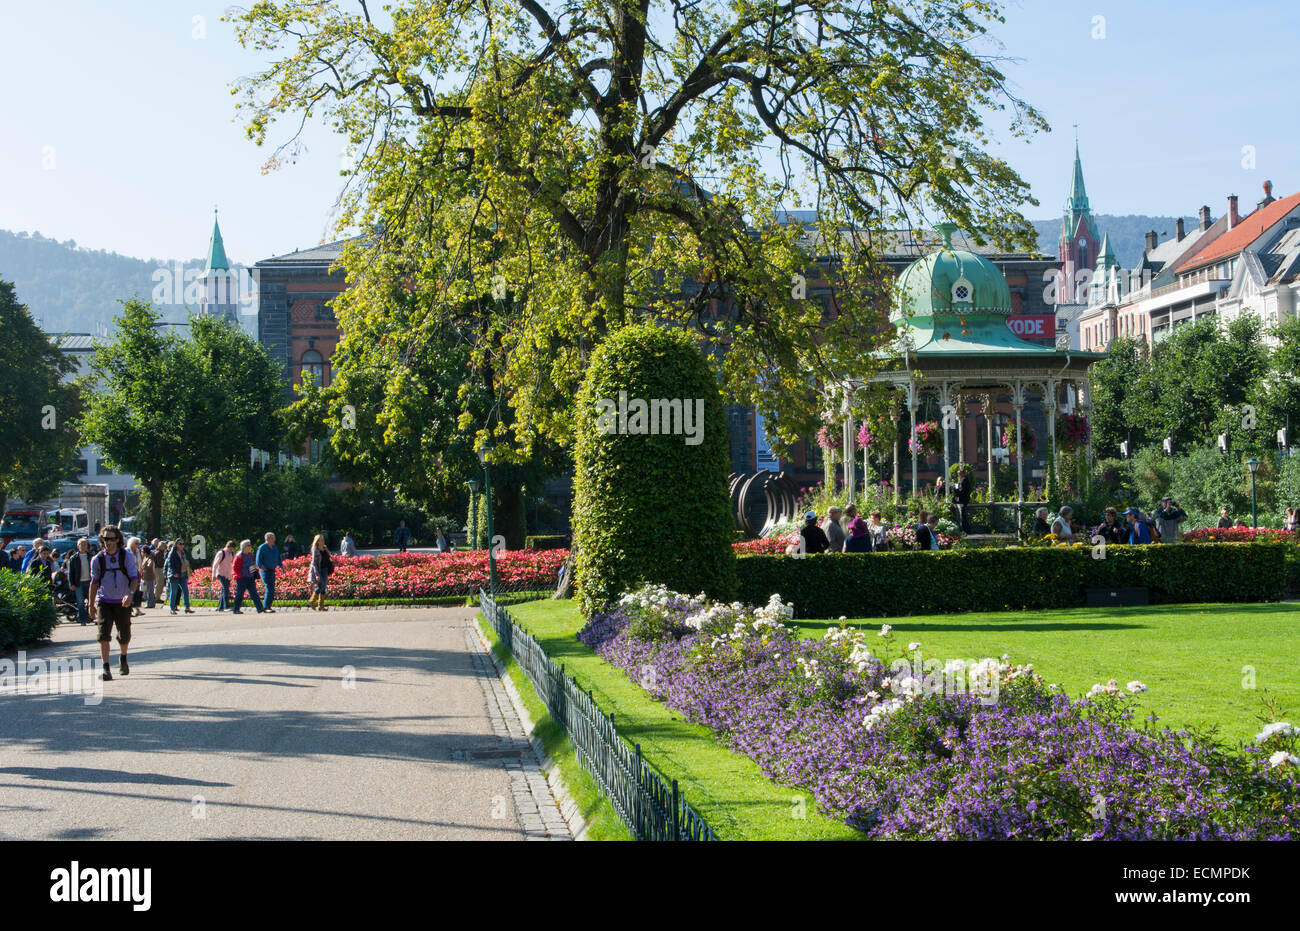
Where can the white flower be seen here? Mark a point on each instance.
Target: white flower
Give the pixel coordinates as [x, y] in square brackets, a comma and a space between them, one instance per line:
[1136, 687]
[884, 630]
[1282, 758]
[1277, 728]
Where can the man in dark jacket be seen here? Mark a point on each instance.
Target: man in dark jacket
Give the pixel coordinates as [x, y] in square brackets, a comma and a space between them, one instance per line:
[961, 497]
[1225, 522]
[814, 538]
[925, 538]
[1138, 532]
[1167, 518]
[401, 536]
[79, 578]
[1112, 530]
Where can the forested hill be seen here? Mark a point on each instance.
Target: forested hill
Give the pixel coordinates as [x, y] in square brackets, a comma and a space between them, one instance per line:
[1127, 233]
[71, 289]
[76, 290]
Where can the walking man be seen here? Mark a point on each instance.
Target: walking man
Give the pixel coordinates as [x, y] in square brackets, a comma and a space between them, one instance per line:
[401, 536]
[79, 578]
[245, 578]
[268, 560]
[114, 579]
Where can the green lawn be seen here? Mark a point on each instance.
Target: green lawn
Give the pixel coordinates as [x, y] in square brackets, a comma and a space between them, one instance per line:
[1191, 657]
[728, 790]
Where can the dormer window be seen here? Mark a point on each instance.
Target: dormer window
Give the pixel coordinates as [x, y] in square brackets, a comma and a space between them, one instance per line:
[963, 292]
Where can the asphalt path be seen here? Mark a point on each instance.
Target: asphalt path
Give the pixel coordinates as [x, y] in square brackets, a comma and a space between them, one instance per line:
[298, 724]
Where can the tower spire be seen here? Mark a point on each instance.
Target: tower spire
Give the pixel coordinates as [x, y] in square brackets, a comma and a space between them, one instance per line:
[216, 248]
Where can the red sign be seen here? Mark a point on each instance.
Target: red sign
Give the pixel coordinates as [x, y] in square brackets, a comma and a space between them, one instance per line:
[1033, 326]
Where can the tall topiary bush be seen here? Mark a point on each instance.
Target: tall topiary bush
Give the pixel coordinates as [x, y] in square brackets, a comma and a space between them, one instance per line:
[650, 487]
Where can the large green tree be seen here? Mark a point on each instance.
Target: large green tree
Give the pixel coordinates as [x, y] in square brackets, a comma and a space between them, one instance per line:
[38, 408]
[163, 407]
[580, 162]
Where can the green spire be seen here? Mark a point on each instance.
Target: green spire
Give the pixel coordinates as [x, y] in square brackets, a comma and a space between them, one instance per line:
[216, 249]
[1106, 258]
[1078, 196]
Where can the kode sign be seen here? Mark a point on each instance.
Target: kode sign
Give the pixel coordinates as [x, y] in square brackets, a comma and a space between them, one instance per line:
[1033, 326]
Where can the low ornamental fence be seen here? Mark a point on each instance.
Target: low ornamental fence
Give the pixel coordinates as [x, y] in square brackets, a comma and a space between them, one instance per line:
[652, 808]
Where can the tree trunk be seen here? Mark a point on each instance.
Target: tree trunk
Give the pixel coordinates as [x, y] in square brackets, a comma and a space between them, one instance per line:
[155, 489]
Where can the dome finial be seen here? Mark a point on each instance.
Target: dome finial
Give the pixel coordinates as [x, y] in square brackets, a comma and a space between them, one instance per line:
[946, 230]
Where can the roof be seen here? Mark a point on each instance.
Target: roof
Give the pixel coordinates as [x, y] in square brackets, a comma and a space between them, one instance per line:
[216, 250]
[1078, 196]
[325, 254]
[74, 342]
[1247, 230]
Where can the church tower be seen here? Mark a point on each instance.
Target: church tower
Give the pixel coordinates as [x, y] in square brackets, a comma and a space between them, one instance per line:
[218, 284]
[1079, 245]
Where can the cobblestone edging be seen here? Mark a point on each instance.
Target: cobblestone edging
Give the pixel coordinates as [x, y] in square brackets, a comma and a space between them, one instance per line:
[546, 809]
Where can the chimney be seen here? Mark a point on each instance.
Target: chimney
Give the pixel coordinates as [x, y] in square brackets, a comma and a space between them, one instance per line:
[1233, 219]
[1205, 218]
[1153, 240]
[1178, 228]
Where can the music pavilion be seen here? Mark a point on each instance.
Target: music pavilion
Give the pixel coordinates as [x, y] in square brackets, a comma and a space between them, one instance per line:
[958, 363]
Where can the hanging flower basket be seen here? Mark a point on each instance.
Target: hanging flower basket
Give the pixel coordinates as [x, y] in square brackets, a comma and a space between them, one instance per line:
[865, 439]
[1028, 442]
[927, 440]
[828, 437]
[1072, 432]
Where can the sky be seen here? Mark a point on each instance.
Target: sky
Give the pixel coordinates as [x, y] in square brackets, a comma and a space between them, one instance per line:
[118, 128]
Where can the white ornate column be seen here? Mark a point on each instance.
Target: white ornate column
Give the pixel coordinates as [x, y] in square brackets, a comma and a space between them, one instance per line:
[1018, 402]
[1050, 398]
[1084, 392]
[846, 443]
[990, 412]
[895, 415]
[945, 401]
[913, 403]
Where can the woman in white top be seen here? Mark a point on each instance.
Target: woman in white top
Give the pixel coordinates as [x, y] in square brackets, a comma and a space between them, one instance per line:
[876, 527]
[1061, 526]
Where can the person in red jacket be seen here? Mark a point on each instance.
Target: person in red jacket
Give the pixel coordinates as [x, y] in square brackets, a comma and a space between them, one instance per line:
[245, 570]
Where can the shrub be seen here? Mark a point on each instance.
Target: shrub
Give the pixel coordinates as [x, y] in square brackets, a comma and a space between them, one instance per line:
[895, 584]
[26, 610]
[650, 507]
[555, 541]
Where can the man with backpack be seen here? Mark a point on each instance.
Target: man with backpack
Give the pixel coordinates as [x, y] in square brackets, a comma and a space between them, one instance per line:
[114, 579]
[1138, 531]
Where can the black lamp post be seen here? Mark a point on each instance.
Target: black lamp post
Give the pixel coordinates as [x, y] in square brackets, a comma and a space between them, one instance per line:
[483, 454]
[1253, 465]
[472, 535]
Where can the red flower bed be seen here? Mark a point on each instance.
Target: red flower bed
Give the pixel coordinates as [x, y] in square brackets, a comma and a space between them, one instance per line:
[765, 545]
[1238, 535]
[413, 575]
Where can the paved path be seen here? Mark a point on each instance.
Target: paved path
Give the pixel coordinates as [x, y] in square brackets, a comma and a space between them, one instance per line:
[297, 724]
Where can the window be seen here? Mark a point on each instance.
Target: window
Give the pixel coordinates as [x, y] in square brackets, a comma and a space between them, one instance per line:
[313, 368]
[81, 466]
[102, 467]
[324, 311]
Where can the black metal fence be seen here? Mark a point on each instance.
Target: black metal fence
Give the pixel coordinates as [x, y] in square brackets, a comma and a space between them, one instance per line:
[651, 807]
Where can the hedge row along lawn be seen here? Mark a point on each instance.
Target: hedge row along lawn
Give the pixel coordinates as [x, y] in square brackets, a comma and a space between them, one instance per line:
[896, 584]
[1195, 659]
[728, 790]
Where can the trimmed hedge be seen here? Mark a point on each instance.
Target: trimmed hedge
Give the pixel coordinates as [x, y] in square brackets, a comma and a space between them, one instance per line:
[26, 610]
[554, 541]
[897, 584]
[651, 506]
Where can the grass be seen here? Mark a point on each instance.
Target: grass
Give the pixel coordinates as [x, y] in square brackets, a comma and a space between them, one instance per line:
[728, 790]
[603, 822]
[1195, 659]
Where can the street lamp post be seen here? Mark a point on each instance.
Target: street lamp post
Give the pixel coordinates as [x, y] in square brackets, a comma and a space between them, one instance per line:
[470, 537]
[1253, 465]
[483, 455]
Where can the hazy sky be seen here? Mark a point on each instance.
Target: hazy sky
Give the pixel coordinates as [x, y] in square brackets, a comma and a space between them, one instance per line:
[118, 129]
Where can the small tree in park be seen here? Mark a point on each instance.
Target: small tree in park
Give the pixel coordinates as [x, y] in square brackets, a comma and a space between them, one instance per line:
[650, 490]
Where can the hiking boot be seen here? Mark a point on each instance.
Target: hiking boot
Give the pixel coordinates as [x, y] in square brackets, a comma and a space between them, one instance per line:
[123, 667]
[106, 675]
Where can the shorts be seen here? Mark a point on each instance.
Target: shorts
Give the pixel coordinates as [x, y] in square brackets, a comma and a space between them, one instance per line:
[110, 614]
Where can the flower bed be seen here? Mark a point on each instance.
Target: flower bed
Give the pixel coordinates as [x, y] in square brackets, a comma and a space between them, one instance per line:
[920, 749]
[413, 575]
[1238, 535]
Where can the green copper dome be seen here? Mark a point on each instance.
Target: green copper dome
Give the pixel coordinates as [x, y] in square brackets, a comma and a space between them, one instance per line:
[950, 282]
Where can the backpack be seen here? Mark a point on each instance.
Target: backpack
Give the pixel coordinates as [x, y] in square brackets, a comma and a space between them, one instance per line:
[1155, 531]
[102, 558]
